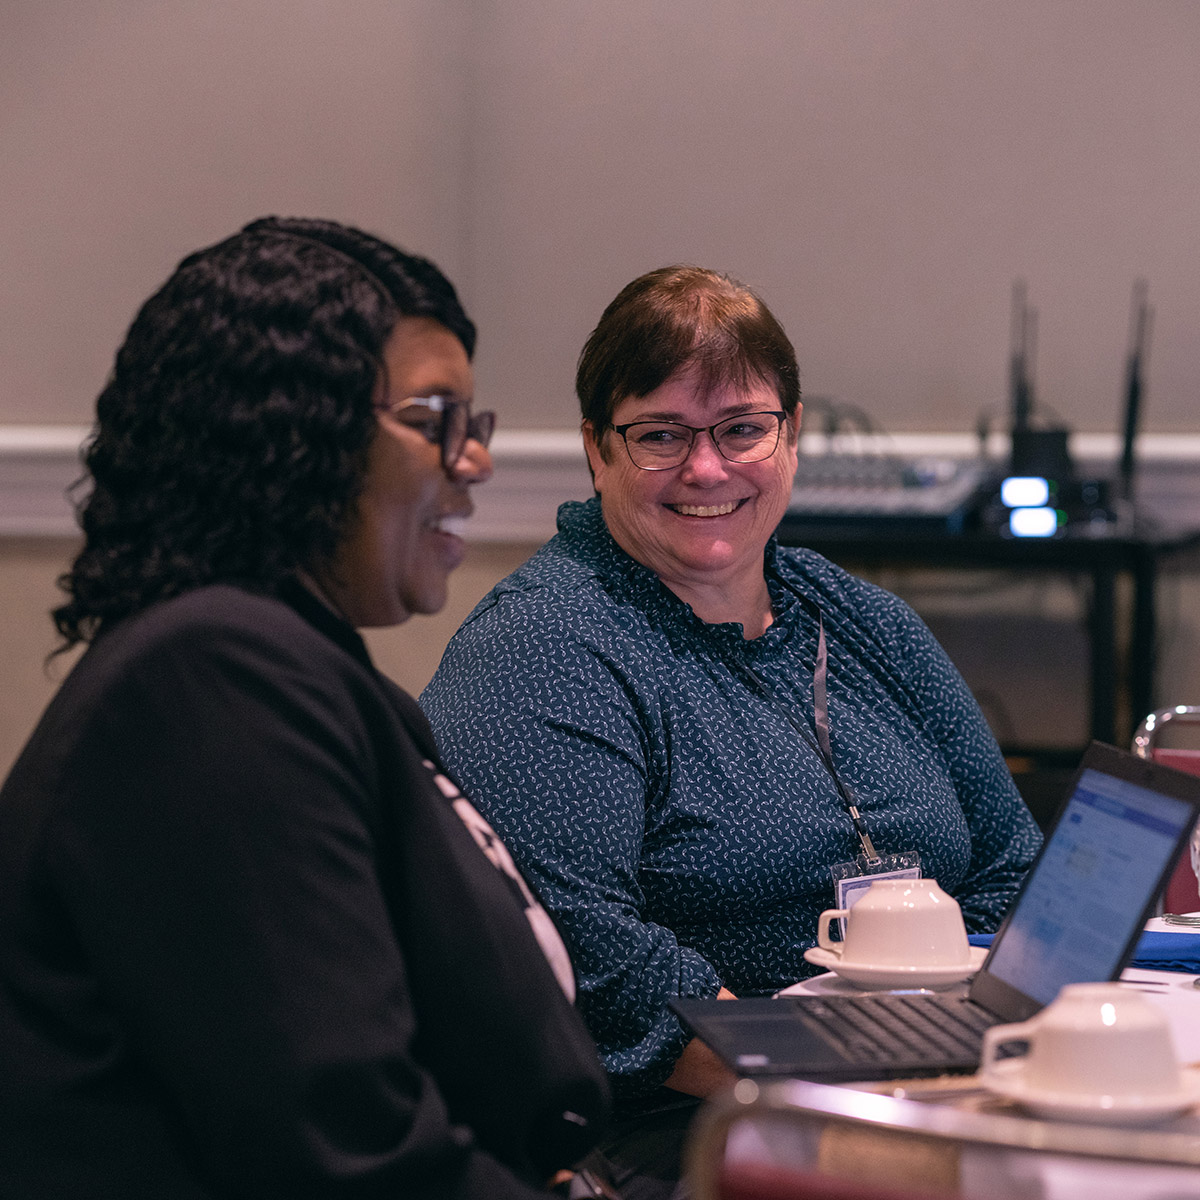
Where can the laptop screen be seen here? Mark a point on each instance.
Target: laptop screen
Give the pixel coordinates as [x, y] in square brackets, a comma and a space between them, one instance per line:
[1086, 899]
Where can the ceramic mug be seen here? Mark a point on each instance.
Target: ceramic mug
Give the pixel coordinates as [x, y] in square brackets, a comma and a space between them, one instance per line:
[901, 923]
[1095, 1039]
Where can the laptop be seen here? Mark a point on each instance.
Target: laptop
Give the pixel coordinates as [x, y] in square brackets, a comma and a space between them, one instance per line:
[1076, 919]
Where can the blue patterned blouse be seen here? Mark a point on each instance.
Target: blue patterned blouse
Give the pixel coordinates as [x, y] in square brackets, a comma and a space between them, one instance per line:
[673, 820]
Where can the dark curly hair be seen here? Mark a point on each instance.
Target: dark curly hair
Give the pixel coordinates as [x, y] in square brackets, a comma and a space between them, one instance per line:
[231, 439]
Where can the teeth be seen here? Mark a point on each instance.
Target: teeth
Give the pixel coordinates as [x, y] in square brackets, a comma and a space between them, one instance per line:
[699, 510]
[450, 524]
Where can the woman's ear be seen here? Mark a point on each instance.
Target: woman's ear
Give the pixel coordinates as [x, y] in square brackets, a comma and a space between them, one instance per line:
[794, 422]
[791, 442]
[591, 447]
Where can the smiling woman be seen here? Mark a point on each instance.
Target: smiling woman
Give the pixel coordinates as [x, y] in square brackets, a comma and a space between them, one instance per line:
[398, 554]
[701, 521]
[681, 728]
[253, 939]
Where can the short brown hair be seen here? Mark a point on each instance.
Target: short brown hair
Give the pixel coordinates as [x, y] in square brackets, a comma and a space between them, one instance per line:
[683, 318]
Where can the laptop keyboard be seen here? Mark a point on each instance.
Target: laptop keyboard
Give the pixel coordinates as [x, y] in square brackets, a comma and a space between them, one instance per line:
[894, 1028]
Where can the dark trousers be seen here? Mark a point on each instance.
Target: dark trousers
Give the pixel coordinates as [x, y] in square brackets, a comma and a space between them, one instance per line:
[643, 1154]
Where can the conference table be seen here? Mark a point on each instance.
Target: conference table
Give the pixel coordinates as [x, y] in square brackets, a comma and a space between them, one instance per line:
[949, 1135]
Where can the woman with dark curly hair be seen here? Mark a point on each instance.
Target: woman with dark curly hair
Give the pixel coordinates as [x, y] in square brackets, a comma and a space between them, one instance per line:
[253, 940]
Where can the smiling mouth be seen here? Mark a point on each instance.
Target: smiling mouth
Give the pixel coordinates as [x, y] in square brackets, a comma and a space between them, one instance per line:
[706, 510]
[454, 524]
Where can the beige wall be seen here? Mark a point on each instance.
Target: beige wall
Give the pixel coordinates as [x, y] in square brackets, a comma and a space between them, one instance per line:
[134, 131]
[882, 170]
[28, 569]
[1018, 639]
[409, 653]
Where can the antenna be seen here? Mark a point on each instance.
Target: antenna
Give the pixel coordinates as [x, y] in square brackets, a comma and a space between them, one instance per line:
[1141, 317]
[1023, 352]
[1036, 452]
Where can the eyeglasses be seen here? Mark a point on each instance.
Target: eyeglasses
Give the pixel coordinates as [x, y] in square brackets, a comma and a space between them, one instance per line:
[445, 421]
[661, 445]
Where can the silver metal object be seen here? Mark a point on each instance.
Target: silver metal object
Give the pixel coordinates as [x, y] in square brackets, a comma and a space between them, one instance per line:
[1144, 741]
[812, 1109]
[1191, 920]
[1148, 731]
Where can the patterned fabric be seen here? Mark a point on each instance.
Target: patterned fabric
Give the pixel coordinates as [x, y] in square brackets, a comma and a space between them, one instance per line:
[675, 824]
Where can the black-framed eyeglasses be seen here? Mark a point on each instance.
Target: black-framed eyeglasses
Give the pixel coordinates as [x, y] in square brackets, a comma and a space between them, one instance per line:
[660, 445]
[446, 421]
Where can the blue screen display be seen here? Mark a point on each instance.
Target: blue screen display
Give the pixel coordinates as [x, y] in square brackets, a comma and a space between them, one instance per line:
[1086, 897]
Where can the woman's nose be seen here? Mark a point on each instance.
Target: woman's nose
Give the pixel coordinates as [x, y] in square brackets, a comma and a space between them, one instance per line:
[704, 464]
[474, 464]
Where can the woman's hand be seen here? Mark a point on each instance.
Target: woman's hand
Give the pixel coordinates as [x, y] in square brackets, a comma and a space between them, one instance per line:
[581, 1185]
[698, 1071]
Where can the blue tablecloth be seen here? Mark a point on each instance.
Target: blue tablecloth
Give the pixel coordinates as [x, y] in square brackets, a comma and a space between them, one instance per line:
[1154, 951]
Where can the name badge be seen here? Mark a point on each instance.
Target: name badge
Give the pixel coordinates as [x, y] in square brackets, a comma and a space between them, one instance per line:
[851, 879]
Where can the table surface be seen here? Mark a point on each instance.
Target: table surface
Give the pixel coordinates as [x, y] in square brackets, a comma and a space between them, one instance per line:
[1055, 1177]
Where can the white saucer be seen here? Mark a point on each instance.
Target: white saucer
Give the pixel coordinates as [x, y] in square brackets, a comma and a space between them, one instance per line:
[1006, 1078]
[878, 977]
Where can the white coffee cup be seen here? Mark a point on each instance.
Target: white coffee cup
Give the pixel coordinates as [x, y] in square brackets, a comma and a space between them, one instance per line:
[1095, 1040]
[901, 923]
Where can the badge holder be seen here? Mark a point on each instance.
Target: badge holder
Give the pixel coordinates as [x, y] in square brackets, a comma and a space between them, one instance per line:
[851, 879]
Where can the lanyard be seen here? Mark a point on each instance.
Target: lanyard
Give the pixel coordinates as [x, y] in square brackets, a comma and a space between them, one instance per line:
[822, 746]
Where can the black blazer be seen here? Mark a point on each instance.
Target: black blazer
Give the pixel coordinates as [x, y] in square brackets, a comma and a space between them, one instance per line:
[248, 945]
